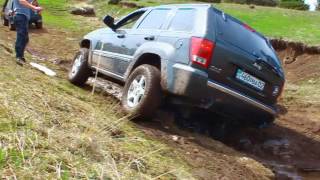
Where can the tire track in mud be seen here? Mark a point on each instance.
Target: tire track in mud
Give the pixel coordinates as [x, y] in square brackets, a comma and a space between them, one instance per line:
[289, 153]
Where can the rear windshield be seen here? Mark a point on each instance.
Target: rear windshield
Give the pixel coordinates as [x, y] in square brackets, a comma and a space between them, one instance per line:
[234, 32]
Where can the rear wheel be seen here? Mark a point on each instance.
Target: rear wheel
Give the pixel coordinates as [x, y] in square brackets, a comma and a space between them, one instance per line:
[260, 121]
[80, 71]
[38, 25]
[266, 121]
[142, 92]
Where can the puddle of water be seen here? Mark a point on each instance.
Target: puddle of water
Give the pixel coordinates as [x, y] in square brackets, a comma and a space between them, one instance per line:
[310, 175]
[284, 171]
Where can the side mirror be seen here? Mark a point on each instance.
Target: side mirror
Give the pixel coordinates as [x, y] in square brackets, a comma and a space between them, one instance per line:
[109, 21]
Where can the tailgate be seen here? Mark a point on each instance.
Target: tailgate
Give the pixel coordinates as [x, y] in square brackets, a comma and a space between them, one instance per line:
[245, 61]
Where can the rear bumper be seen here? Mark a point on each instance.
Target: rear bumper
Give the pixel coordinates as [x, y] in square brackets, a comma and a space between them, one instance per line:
[244, 98]
[193, 84]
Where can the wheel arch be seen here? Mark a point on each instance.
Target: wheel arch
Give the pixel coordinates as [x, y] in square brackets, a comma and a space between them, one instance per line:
[159, 53]
[85, 43]
[147, 58]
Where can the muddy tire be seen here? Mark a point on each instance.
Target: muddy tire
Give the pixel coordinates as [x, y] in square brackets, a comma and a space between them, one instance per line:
[12, 27]
[80, 71]
[38, 25]
[268, 120]
[262, 121]
[142, 92]
[5, 22]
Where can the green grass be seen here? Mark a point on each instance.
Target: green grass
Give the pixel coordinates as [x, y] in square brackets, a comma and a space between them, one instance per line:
[294, 25]
[56, 14]
[273, 22]
[50, 129]
[289, 24]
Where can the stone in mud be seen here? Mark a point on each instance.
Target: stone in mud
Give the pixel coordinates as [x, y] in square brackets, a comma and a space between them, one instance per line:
[279, 148]
[175, 138]
[289, 60]
[84, 11]
[246, 144]
[114, 1]
[129, 5]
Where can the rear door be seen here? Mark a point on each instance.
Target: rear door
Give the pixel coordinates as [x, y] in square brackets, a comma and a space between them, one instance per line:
[245, 60]
[146, 31]
[177, 32]
[111, 56]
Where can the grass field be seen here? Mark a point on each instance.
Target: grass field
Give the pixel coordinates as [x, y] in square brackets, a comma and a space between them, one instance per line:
[273, 22]
[294, 25]
[50, 129]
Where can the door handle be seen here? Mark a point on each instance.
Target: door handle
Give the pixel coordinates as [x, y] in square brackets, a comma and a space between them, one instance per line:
[149, 38]
[121, 36]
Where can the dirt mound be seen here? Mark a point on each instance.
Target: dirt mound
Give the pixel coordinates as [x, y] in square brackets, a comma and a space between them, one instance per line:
[299, 66]
[298, 47]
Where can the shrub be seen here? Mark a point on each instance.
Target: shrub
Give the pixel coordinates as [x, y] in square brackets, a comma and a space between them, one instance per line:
[293, 4]
[256, 2]
[210, 1]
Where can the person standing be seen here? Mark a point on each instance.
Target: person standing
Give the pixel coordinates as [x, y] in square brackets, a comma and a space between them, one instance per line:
[22, 15]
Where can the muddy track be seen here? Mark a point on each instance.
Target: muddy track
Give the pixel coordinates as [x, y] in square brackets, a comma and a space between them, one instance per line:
[290, 147]
[284, 147]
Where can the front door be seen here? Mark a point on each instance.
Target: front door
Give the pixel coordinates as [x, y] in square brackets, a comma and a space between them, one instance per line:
[103, 54]
[113, 57]
[112, 52]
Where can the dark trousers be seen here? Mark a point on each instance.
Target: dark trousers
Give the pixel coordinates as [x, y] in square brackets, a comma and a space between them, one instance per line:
[22, 23]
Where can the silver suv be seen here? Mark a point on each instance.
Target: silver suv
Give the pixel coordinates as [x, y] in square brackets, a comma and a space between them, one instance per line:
[194, 54]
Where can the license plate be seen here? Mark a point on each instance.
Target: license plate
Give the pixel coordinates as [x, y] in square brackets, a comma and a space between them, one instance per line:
[250, 80]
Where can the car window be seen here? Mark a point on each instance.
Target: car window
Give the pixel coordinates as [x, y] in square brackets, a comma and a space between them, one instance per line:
[183, 20]
[236, 33]
[98, 45]
[154, 19]
[129, 21]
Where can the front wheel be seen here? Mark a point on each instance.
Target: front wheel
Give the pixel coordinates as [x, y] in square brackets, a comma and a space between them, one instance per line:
[142, 92]
[12, 26]
[38, 25]
[5, 22]
[80, 71]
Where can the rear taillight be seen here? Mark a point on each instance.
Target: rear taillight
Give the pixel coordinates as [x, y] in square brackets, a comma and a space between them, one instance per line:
[201, 51]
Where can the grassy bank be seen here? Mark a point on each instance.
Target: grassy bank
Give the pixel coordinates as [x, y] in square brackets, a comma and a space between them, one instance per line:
[273, 22]
[50, 129]
[294, 25]
[289, 24]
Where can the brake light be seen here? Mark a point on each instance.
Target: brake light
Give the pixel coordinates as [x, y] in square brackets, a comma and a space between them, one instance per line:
[249, 28]
[201, 51]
